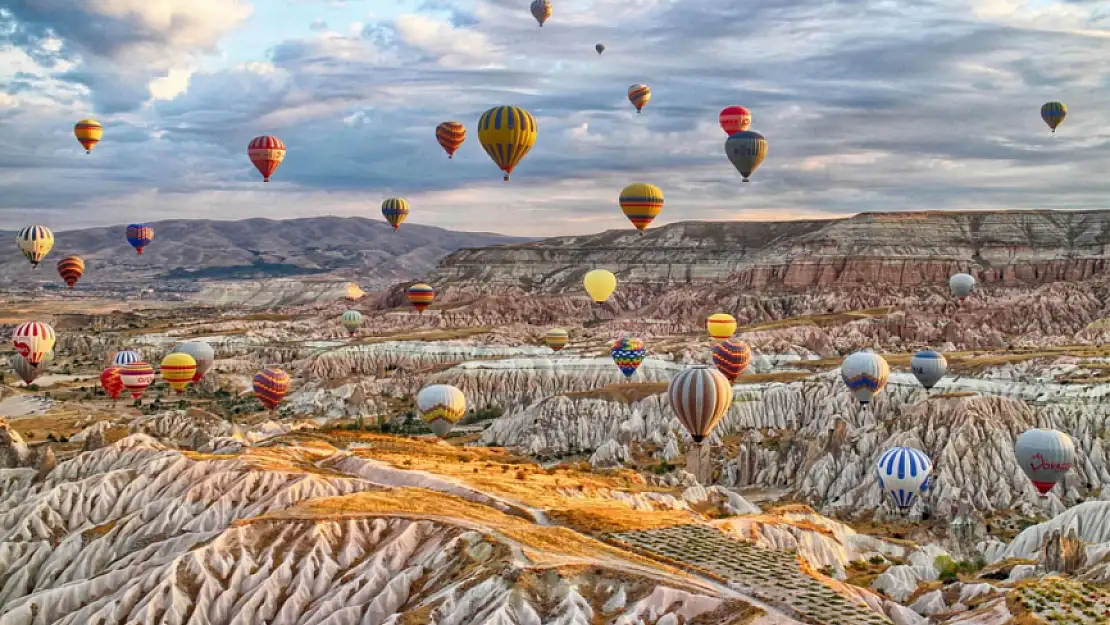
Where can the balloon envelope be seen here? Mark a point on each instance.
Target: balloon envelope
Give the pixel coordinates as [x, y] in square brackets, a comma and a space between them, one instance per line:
[1045, 456]
[25, 370]
[720, 325]
[202, 353]
[628, 352]
[396, 211]
[507, 134]
[270, 386]
[266, 153]
[701, 397]
[88, 133]
[178, 369]
[746, 151]
[35, 242]
[71, 268]
[1053, 113]
[600, 284]
[541, 10]
[961, 285]
[421, 296]
[641, 203]
[928, 367]
[734, 119]
[903, 475]
[865, 374]
[731, 358]
[450, 136]
[639, 96]
[126, 357]
[441, 406]
[139, 236]
[556, 339]
[111, 381]
[136, 377]
[33, 340]
[352, 320]
[600, 48]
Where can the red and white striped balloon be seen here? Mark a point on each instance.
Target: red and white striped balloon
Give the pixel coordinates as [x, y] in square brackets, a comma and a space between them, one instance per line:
[33, 340]
[267, 153]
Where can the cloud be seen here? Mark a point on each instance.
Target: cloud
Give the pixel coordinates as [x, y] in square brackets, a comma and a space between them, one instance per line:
[867, 105]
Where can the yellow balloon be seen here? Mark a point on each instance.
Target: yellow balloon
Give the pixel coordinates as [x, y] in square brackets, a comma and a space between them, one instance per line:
[178, 369]
[600, 284]
[721, 325]
[507, 134]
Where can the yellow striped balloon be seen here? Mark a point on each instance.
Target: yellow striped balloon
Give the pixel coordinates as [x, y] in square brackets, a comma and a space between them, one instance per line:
[746, 150]
[178, 369]
[507, 134]
[641, 203]
[556, 339]
[88, 133]
[1053, 113]
[35, 243]
[396, 211]
[721, 325]
[639, 96]
[441, 406]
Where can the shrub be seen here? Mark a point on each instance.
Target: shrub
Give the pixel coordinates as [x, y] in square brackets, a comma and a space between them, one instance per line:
[876, 559]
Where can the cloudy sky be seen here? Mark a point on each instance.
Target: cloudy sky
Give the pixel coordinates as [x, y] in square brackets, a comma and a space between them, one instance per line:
[867, 105]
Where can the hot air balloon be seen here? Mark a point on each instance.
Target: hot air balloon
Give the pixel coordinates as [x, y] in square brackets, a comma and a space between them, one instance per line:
[700, 396]
[178, 369]
[720, 325]
[639, 96]
[396, 211]
[507, 134]
[202, 354]
[352, 320]
[1045, 456]
[126, 357]
[450, 136]
[1053, 113]
[139, 236]
[600, 284]
[441, 406]
[270, 386]
[111, 381]
[731, 358]
[865, 374]
[88, 133]
[734, 119]
[641, 203]
[35, 243]
[600, 48]
[421, 296]
[266, 153]
[33, 340]
[25, 370]
[628, 352]
[71, 268]
[556, 339]
[961, 285]
[928, 367]
[354, 292]
[136, 377]
[904, 473]
[746, 150]
[541, 10]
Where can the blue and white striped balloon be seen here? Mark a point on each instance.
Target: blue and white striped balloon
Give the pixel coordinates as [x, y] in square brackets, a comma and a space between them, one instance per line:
[904, 472]
[127, 357]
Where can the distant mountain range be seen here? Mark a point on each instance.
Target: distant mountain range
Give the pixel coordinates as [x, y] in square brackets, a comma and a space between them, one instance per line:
[365, 250]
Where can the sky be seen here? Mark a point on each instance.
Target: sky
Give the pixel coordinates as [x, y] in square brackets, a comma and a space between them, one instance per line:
[867, 105]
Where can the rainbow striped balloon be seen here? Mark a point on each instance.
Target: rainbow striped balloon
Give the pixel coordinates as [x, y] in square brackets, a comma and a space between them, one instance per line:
[556, 339]
[270, 386]
[731, 358]
[628, 352]
[421, 296]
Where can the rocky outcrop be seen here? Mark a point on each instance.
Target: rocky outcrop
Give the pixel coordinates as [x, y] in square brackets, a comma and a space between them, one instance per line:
[900, 249]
